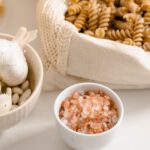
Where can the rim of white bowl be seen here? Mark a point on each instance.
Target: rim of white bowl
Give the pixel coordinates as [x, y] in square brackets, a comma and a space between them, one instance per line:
[39, 83]
[121, 115]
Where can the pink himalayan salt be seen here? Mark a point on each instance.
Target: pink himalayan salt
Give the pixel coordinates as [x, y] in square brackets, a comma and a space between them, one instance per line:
[89, 112]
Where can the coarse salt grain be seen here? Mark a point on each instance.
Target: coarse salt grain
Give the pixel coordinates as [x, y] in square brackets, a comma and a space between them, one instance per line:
[89, 112]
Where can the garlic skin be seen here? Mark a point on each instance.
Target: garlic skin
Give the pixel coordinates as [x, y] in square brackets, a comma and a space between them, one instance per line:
[13, 64]
[5, 101]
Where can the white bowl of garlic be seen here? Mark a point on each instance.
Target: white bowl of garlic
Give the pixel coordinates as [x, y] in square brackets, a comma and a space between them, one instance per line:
[21, 77]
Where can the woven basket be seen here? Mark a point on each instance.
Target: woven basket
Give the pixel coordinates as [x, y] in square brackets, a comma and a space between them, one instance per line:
[72, 57]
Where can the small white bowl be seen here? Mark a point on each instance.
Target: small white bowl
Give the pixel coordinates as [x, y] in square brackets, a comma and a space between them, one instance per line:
[81, 141]
[36, 77]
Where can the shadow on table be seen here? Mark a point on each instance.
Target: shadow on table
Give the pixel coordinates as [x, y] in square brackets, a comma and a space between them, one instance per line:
[135, 101]
[47, 139]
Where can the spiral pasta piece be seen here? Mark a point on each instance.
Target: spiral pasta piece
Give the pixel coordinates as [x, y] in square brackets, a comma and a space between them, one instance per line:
[104, 18]
[146, 46]
[139, 2]
[102, 4]
[76, 8]
[81, 19]
[121, 11]
[138, 31]
[71, 18]
[85, 27]
[129, 41]
[147, 18]
[100, 33]
[88, 32]
[93, 16]
[131, 5]
[147, 35]
[147, 32]
[131, 17]
[75, 1]
[145, 6]
[122, 25]
[112, 11]
[118, 34]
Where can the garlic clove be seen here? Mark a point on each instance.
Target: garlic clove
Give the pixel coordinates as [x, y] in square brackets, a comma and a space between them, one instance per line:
[5, 101]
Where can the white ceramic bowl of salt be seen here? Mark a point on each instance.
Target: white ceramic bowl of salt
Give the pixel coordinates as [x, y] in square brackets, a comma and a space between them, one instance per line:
[81, 141]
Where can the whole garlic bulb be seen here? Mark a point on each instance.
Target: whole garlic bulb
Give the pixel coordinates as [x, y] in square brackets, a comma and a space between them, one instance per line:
[13, 64]
[5, 101]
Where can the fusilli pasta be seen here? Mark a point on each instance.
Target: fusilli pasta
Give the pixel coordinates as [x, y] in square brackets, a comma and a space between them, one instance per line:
[147, 18]
[138, 31]
[104, 18]
[124, 21]
[118, 34]
[122, 25]
[88, 32]
[129, 41]
[76, 8]
[81, 19]
[93, 16]
[146, 46]
[100, 33]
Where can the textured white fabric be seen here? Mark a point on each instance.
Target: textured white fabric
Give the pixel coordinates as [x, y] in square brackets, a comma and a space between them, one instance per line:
[71, 57]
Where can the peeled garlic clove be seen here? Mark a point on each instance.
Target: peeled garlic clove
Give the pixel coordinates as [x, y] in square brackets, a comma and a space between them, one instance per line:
[13, 64]
[5, 101]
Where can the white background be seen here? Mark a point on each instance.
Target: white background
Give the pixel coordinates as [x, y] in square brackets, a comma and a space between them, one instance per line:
[38, 131]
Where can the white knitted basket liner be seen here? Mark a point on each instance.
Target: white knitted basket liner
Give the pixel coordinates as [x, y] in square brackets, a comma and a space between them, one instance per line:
[71, 57]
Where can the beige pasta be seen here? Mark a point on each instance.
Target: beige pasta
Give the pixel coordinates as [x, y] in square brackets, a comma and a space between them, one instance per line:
[131, 17]
[75, 1]
[129, 41]
[138, 31]
[104, 18]
[121, 11]
[122, 25]
[147, 35]
[112, 10]
[124, 21]
[139, 2]
[100, 33]
[93, 16]
[147, 32]
[85, 27]
[146, 46]
[88, 32]
[102, 4]
[145, 6]
[76, 8]
[118, 34]
[131, 5]
[147, 18]
[81, 19]
[71, 18]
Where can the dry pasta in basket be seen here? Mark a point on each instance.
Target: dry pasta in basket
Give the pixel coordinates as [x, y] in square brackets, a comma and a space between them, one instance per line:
[124, 21]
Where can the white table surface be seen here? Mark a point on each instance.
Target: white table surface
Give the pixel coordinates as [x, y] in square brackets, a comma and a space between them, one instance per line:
[38, 131]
